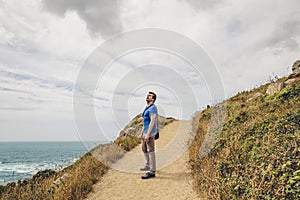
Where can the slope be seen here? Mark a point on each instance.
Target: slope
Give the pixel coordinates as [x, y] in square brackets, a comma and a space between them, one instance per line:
[257, 152]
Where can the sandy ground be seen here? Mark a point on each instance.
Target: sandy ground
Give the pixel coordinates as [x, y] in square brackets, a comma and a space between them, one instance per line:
[172, 181]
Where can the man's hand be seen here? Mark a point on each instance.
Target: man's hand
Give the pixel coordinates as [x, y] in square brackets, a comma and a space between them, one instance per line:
[147, 138]
[141, 133]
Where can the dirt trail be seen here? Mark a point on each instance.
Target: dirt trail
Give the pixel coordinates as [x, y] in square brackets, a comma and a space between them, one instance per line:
[172, 181]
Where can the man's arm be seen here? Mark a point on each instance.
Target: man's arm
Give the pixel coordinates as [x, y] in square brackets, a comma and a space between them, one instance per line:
[141, 134]
[152, 121]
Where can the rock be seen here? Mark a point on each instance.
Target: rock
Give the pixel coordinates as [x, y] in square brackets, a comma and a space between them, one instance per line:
[274, 88]
[294, 75]
[296, 67]
[258, 94]
[136, 124]
[290, 81]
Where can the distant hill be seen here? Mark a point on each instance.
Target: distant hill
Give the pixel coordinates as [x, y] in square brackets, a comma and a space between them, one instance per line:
[257, 153]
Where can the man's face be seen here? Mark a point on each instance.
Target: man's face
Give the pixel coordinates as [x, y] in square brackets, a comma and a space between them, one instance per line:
[149, 98]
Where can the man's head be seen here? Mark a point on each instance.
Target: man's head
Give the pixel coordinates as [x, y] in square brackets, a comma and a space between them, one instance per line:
[151, 97]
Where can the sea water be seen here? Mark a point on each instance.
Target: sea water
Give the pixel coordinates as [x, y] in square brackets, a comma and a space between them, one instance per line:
[21, 160]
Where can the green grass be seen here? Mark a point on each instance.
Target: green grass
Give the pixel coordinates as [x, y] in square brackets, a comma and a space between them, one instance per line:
[257, 154]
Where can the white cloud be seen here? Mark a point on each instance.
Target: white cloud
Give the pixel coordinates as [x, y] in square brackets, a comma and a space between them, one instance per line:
[42, 46]
[243, 38]
[100, 15]
[5, 36]
[44, 42]
[40, 56]
[36, 30]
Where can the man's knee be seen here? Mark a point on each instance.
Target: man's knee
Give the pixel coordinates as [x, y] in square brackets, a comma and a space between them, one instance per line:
[151, 150]
[151, 145]
[144, 148]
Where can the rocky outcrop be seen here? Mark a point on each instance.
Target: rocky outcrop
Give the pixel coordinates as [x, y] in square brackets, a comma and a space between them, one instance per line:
[289, 81]
[278, 86]
[136, 124]
[274, 88]
[296, 67]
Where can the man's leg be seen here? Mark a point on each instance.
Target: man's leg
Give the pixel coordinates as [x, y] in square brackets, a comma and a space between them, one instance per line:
[151, 148]
[146, 153]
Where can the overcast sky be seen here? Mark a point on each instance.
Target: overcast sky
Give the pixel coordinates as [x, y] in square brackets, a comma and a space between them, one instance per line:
[45, 43]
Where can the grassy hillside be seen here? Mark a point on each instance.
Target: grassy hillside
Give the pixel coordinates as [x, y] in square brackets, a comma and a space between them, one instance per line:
[257, 153]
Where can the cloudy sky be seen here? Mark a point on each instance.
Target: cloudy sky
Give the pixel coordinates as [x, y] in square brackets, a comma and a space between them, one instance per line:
[45, 43]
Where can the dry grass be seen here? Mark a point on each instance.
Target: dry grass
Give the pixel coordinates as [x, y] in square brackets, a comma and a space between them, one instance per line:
[258, 150]
[74, 182]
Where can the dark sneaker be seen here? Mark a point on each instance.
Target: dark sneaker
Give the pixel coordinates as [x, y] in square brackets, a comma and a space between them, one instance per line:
[148, 175]
[146, 168]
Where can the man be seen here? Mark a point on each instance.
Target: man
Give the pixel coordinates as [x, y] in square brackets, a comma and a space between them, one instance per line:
[149, 130]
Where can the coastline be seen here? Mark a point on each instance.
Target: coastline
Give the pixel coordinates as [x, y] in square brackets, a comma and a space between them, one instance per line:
[13, 171]
[75, 180]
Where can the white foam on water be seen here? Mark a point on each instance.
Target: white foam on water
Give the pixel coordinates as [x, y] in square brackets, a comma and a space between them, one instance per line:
[26, 168]
[33, 168]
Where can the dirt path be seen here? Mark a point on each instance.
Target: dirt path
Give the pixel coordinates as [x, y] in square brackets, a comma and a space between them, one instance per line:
[172, 181]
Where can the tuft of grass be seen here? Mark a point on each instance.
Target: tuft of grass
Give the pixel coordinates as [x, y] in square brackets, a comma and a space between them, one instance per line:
[257, 154]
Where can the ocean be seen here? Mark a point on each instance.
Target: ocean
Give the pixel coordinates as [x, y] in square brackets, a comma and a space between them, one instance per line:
[21, 160]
